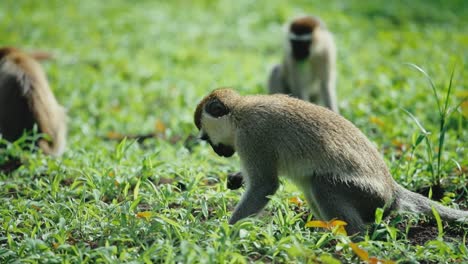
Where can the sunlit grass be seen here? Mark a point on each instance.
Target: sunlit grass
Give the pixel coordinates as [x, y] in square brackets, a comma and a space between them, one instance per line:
[135, 68]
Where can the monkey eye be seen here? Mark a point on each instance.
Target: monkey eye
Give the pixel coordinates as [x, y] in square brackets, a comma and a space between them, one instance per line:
[216, 108]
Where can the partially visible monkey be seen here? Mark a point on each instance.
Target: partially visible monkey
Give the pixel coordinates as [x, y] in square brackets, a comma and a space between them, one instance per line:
[26, 99]
[308, 69]
[339, 170]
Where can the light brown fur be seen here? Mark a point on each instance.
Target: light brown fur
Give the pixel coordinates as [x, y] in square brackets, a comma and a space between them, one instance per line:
[314, 79]
[26, 99]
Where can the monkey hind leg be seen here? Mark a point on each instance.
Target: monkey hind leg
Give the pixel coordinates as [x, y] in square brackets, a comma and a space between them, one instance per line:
[344, 201]
[409, 201]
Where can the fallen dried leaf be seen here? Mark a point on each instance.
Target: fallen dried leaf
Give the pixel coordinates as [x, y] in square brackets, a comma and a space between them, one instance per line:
[114, 135]
[337, 226]
[377, 121]
[159, 126]
[296, 200]
[361, 253]
[146, 214]
[464, 108]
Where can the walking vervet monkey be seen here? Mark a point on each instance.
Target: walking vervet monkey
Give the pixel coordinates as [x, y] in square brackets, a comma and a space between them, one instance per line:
[339, 170]
[308, 69]
[26, 99]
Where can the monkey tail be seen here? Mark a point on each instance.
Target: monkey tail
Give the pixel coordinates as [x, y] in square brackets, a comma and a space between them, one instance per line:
[413, 202]
[53, 123]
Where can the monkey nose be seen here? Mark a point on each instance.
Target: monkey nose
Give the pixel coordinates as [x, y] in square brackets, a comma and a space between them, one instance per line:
[300, 50]
[223, 150]
[204, 137]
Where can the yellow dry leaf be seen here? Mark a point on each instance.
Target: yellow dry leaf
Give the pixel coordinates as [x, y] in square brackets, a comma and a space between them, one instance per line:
[334, 223]
[364, 255]
[317, 223]
[145, 214]
[338, 226]
[116, 183]
[35, 207]
[398, 144]
[296, 200]
[461, 93]
[464, 108]
[374, 260]
[361, 253]
[159, 126]
[115, 108]
[55, 245]
[111, 174]
[114, 135]
[377, 121]
[340, 231]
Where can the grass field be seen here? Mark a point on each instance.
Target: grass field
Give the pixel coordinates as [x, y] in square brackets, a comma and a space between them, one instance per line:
[138, 67]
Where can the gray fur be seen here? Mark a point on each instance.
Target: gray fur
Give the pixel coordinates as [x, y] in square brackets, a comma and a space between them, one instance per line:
[339, 170]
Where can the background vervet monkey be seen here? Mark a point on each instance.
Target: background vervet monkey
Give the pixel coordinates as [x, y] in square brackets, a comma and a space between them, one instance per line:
[308, 69]
[339, 170]
[26, 99]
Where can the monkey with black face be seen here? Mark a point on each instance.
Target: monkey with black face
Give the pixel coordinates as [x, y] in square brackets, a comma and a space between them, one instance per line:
[339, 170]
[26, 99]
[308, 69]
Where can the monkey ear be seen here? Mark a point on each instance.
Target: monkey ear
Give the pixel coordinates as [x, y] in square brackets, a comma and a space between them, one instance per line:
[216, 108]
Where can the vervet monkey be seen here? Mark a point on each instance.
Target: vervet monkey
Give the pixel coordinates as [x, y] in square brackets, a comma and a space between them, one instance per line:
[308, 69]
[339, 170]
[26, 99]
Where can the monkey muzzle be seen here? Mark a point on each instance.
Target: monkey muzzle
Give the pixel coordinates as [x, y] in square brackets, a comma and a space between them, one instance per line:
[300, 49]
[220, 149]
[223, 150]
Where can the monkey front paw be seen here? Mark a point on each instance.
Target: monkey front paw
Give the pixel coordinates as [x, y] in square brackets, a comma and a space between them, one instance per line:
[234, 181]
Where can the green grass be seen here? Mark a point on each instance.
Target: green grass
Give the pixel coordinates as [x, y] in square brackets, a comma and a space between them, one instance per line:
[123, 66]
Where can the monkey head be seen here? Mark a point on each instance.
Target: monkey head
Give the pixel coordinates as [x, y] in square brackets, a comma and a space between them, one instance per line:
[300, 36]
[213, 119]
[4, 51]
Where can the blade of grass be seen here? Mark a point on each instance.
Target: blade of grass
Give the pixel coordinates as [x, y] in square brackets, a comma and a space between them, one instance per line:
[440, 228]
[423, 130]
[434, 90]
[443, 127]
[425, 133]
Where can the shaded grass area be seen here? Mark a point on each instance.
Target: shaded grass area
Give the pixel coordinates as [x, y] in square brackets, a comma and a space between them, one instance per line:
[135, 68]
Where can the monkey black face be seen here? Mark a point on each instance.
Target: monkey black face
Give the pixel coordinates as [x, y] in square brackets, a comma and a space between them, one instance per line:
[220, 149]
[300, 45]
[223, 150]
[300, 37]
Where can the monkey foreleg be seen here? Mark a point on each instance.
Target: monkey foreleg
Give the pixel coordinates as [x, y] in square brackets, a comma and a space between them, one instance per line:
[261, 180]
[253, 200]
